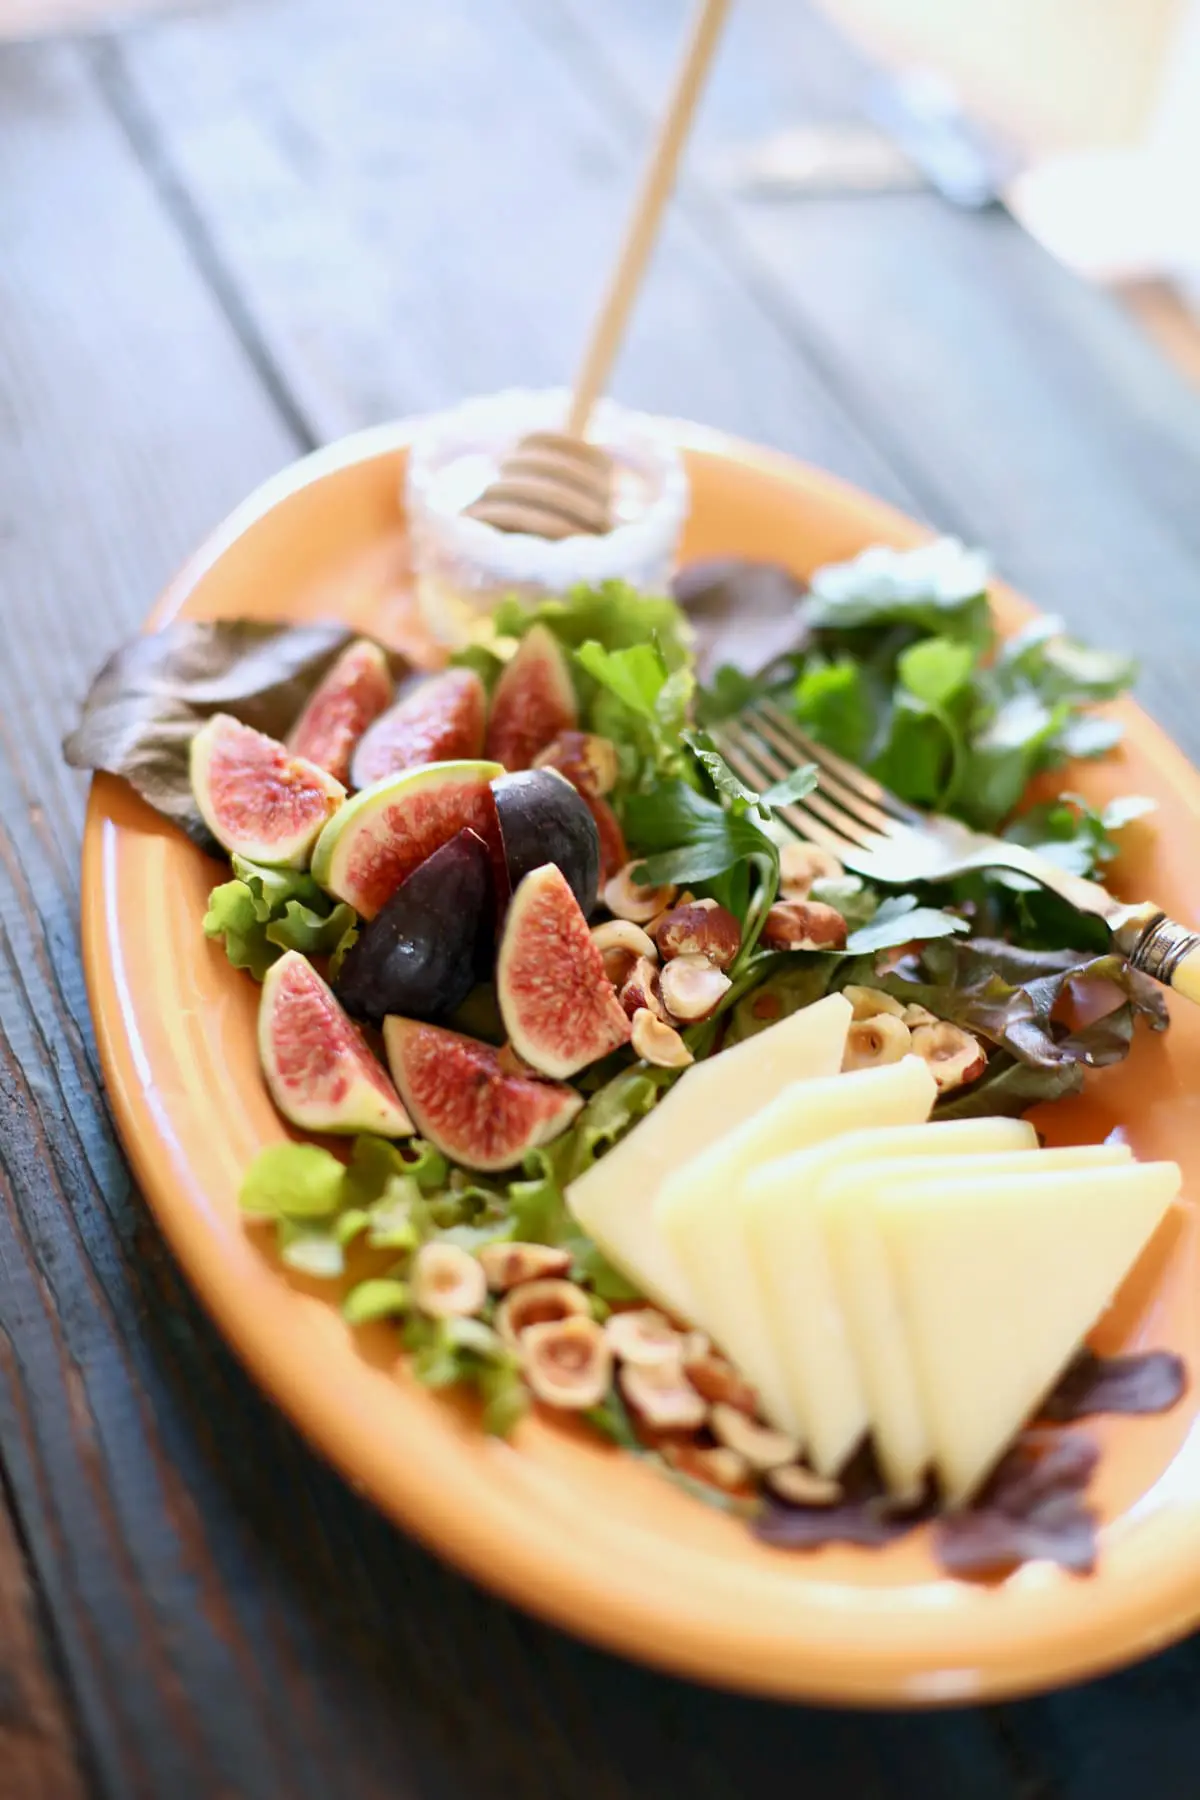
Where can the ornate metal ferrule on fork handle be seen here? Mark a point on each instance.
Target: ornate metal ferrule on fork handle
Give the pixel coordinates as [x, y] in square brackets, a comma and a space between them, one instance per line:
[1160, 947]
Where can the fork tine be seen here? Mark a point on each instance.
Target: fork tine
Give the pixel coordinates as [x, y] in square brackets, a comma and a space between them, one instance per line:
[850, 799]
[798, 743]
[814, 815]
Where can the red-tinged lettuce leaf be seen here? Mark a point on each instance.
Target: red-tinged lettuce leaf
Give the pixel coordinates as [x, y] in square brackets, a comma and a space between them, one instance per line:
[1032, 1510]
[745, 615]
[1050, 1014]
[152, 695]
[1147, 1381]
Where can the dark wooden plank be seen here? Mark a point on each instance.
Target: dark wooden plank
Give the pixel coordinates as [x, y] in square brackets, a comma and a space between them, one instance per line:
[1024, 410]
[39, 1754]
[417, 203]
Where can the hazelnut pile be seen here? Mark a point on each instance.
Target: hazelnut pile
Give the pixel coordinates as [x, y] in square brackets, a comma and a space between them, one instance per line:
[688, 1401]
[666, 954]
[882, 1030]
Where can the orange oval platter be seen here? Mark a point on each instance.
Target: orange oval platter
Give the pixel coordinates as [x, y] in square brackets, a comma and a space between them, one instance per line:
[569, 1529]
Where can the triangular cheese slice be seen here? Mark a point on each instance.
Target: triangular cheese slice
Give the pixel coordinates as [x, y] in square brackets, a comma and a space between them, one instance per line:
[868, 1291]
[783, 1207]
[999, 1284]
[700, 1216]
[614, 1200]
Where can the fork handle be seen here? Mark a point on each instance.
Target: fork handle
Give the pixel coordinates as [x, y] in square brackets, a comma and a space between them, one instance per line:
[1165, 950]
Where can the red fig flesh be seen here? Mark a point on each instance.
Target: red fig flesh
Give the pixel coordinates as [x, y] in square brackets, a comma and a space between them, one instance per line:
[318, 1065]
[381, 835]
[259, 801]
[534, 701]
[438, 719]
[463, 1100]
[559, 1007]
[356, 690]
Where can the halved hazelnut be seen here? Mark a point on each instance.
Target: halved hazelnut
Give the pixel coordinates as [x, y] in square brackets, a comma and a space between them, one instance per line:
[641, 989]
[953, 1055]
[620, 943]
[868, 1003]
[588, 762]
[447, 1282]
[644, 1337]
[544, 1302]
[870, 1043]
[799, 1486]
[661, 1394]
[804, 925]
[691, 987]
[701, 928]
[719, 1382]
[919, 1015]
[713, 1463]
[761, 1445]
[657, 1042]
[802, 864]
[567, 1362]
[509, 1265]
[684, 899]
[626, 900]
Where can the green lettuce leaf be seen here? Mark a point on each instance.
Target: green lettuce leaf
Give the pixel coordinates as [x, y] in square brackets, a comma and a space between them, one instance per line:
[613, 614]
[263, 912]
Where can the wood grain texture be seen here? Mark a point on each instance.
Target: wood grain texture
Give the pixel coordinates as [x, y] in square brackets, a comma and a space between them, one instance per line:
[420, 203]
[1020, 407]
[40, 1758]
[224, 236]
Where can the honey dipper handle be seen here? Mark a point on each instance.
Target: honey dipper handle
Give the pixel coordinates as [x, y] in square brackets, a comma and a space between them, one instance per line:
[642, 229]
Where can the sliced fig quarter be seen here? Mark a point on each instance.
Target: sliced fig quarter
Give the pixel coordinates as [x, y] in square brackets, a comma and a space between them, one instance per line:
[356, 690]
[437, 718]
[380, 836]
[466, 1103]
[559, 1008]
[544, 820]
[534, 700]
[318, 1065]
[423, 953]
[256, 798]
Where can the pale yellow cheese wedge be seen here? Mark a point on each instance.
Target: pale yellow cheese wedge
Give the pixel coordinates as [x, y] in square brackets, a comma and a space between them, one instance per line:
[866, 1285]
[784, 1209]
[699, 1212]
[999, 1284]
[614, 1200]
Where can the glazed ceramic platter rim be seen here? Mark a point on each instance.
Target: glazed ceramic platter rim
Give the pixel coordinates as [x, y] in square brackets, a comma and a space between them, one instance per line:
[506, 1516]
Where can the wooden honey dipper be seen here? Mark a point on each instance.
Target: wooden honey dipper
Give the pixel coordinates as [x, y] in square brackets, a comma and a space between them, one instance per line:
[554, 484]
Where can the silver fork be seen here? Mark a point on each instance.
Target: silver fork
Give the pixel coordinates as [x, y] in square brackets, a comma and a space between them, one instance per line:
[882, 838]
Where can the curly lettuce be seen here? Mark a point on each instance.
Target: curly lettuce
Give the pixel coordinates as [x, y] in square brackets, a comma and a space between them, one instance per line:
[263, 912]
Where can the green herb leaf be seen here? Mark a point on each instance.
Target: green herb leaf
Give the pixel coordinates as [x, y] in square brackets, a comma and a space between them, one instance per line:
[704, 838]
[900, 920]
[936, 669]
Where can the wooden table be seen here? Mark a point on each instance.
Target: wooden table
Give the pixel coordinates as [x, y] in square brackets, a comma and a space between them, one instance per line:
[226, 238]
